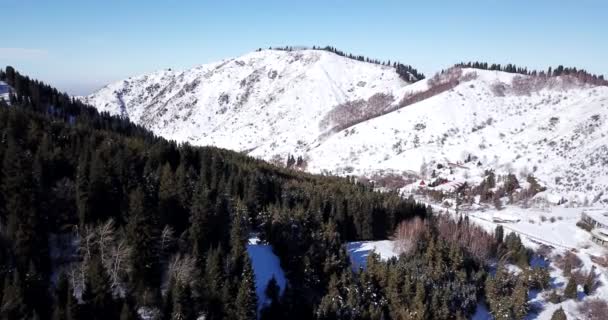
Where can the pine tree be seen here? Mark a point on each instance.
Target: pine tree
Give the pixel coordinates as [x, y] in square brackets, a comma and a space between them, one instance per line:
[559, 314]
[23, 222]
[182, 303]
[239, 230]
[126, 313]
[570, 292]
[520, 299]
[499, 234]
[590, 282]
[13, 301]
[272, 307]
[420, 308]
[200, 215]
[246, 299]
[142, 233]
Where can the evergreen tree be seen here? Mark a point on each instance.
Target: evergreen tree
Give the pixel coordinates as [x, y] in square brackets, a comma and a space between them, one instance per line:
[182, 303]
[570, 292]
[13, 301]
[142, 233]
[246, 299]
[200, 216]
[559, 314]
[520, 299]
[126, 313]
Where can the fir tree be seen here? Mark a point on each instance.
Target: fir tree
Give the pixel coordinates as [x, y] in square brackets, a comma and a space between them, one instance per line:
[13, 301]
[570, 292]
[246, 299]
[559, 314]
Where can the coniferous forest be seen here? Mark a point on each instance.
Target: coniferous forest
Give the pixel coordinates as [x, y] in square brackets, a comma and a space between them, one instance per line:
[101, 219]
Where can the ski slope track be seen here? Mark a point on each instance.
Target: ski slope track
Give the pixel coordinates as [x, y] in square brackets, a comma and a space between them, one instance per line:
[348, 117]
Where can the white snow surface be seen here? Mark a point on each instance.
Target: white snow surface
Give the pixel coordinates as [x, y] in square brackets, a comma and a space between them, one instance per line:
[272, 103]
[265, 266]
[268, 102]
[360, 250]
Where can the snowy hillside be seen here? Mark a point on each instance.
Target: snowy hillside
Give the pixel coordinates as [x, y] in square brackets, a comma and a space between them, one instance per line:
[269, 101]
[554, 130]
[349, 117]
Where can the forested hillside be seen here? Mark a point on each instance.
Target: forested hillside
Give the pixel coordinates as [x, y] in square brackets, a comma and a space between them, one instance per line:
[100, 219]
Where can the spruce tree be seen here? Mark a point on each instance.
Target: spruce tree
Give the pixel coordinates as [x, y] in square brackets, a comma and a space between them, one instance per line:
[246, 299]
[570, 292]
[126, 313]
[142, 233]
[520, 299]
[182, 303]
[13, 300]
[559, 314]
[200, 216]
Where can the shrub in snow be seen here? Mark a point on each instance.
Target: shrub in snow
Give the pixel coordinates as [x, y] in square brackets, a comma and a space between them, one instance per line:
[595, 309]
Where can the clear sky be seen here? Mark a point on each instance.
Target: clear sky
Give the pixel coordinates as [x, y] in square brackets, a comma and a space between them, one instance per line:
[80, 45]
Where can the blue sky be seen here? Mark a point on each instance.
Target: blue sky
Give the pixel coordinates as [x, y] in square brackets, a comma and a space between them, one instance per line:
[79, 45]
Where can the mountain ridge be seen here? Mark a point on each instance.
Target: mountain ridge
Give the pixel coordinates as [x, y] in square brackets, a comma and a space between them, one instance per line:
[347, 117]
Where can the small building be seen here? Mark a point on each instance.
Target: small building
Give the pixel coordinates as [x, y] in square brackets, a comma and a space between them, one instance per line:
[595, 218]
[600, 236]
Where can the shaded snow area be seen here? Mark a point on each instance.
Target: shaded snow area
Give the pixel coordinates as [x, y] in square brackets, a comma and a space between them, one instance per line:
[265, 266]
[360, 250]
[5, 91]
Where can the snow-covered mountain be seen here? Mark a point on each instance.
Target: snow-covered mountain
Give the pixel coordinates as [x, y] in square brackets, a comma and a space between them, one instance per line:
[349, 117]
[268, 102]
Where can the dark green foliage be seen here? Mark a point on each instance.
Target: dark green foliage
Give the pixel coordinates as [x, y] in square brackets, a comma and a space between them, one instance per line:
[513, 251]
[559, 314]
[560, 70]
[570, 292]
[182, 303]
[507, 295]
[246, 299]
[13, 305]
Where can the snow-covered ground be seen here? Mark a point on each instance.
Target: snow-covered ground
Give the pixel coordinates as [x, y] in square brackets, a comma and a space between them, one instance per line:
[266, 265]
[360, 250]
[269, 102]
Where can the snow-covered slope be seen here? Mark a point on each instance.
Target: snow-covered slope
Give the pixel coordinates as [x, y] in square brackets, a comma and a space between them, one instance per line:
[555, 129]
[350, 117]
[269, 101]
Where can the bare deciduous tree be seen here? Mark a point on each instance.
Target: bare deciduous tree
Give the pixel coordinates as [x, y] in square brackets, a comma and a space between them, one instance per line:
[594, 309]
[182, 268]
[407, 234]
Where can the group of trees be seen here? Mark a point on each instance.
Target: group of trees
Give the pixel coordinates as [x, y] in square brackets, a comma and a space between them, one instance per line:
[99, 218]
[560, 70]
[406, 72]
